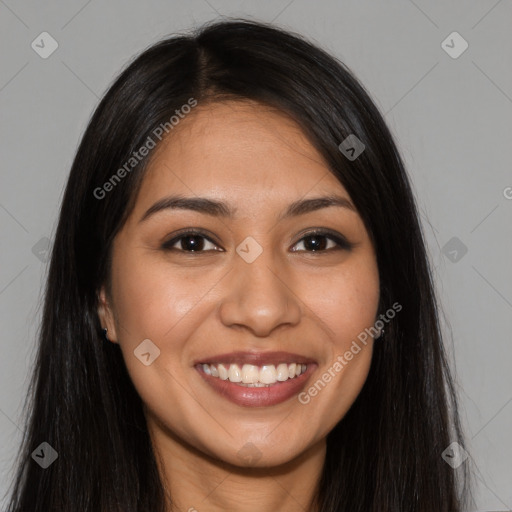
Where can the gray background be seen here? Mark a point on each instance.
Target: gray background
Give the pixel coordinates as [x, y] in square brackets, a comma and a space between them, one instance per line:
[451, 118]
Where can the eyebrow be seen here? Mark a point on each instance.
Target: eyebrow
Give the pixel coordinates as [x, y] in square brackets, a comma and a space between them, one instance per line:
[216, 208]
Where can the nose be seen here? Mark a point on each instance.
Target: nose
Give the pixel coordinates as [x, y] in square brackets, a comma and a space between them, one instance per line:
[258, 297]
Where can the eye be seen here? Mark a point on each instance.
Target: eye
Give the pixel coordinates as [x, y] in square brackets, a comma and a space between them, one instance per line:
[190, 241]
[314, 241]
[194, 241]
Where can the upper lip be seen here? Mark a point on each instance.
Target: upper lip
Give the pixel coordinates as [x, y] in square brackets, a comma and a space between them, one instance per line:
[256, 358]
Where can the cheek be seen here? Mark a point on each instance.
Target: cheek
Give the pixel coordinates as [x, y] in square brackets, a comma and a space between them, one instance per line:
[345, 300]
[151, 298]
[347, 303]
[162, 303]
[347, 306]
[154, 302]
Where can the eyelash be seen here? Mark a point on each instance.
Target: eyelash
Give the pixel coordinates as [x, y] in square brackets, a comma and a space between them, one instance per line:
[342, 243]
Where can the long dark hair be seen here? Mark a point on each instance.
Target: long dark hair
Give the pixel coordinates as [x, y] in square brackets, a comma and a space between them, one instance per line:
[385, 454]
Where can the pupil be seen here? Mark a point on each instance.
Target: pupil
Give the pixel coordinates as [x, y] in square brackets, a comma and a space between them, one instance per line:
[313, 244]
[195, 245]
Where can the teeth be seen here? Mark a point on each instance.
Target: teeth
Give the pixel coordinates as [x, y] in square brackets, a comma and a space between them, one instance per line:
[234, 373]
[268, 374]
[223, 371]
[250, 374]
[282, 372]
[253, 376]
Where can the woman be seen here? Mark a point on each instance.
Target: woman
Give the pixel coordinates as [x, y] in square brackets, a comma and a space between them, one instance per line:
[239, 312]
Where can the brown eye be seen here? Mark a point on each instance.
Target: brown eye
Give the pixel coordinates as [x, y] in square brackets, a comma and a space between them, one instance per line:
[316, 241]
[190, 241]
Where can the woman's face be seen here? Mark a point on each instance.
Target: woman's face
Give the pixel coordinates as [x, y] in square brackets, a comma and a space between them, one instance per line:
[255, 296]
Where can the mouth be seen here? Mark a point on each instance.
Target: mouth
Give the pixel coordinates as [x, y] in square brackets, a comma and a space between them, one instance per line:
[250, 375]
[256, 379]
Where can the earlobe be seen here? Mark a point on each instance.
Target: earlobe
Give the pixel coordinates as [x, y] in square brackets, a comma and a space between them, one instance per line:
[106, 315]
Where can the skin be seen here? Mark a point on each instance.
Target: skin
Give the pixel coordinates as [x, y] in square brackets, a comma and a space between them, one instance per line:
[198, 304]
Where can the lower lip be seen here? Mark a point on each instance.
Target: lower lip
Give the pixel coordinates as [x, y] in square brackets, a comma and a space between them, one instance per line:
[258, 397]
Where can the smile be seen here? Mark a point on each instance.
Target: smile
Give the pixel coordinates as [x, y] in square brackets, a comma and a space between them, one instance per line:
[250, 375]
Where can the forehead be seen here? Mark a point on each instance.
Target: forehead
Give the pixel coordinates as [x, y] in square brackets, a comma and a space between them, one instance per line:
[241, 152]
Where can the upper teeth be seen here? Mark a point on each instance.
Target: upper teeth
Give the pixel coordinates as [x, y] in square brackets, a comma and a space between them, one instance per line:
[250, 374]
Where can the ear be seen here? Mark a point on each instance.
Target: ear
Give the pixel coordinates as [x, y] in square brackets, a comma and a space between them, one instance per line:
[106, 315]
